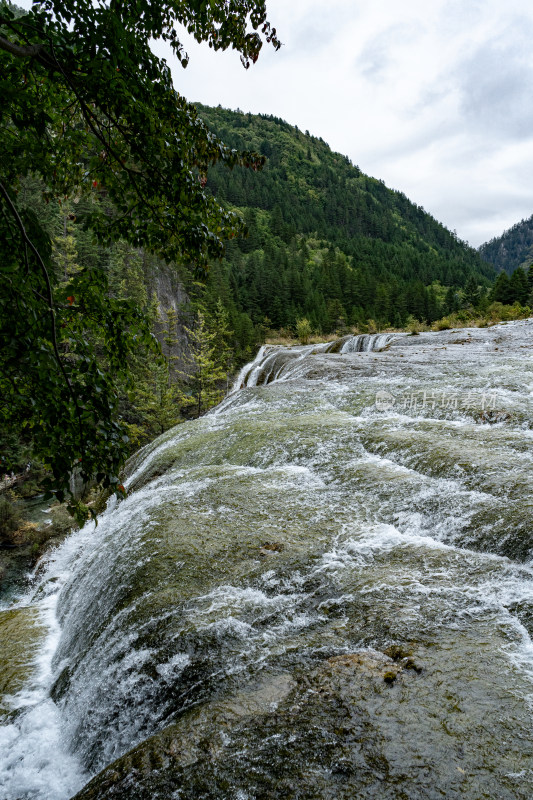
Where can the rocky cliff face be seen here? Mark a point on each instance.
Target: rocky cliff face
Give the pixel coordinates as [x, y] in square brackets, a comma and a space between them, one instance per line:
[163, 281]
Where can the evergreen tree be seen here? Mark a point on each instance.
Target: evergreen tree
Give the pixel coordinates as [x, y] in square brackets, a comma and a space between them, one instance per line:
[433, 311]
[501, 291]
[382, 305]
[64, 246]
[471, 292]
[530, 286]
[218, 324]
[276, 221]
[451, 302]
[519, 287]
[156, 401]
[126, 274]
[208, 374]
[252, 240]
[170, 340]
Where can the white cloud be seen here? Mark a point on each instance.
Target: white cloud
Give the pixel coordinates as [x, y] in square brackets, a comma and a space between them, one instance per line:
[495, 83]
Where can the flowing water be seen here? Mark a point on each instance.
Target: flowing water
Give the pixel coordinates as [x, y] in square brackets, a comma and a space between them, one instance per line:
[321, 589]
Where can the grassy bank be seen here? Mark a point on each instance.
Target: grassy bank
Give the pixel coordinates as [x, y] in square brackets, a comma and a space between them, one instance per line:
[470, 317]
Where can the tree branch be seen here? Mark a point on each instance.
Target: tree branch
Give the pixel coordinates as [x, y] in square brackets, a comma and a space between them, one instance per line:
[28, 243]
[27, 51]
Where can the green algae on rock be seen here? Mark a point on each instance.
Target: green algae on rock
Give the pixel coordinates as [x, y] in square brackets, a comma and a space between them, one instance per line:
[21, 634]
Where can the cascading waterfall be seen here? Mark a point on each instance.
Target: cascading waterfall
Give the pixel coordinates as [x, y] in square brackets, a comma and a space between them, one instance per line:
[325, 584]
[367, 342]
[281, 363]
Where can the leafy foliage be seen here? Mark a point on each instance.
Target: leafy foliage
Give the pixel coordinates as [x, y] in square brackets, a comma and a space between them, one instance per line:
[10, 519]
[303, 330]
[60, 347]
[91, 108]
[91, 112]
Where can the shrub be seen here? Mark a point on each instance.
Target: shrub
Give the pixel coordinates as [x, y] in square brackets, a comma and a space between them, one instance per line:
[443, 324]
[303, 330]
[413, 325]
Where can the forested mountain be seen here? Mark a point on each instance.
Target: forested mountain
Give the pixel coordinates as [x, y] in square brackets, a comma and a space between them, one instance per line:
[327, 241]
[514, 248]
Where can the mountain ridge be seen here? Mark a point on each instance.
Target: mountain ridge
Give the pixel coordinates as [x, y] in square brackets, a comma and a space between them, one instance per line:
[513, 249]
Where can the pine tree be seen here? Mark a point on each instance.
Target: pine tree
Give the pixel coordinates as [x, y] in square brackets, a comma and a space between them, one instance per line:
[276, 221]
[170, 340]
[64, 247]
[156, 401]
[471, 292]
[451, 302]
[382, 304]
[252, 241]
[501, 291]
[519, 288]
[208, 373]
[218, 324]
[126, 274]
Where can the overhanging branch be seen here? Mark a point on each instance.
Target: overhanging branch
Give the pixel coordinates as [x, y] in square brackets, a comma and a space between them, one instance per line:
[21, 51]
[50, 302]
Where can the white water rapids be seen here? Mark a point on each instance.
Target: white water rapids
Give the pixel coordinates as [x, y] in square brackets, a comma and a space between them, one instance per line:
[272, 363]
[335, 503]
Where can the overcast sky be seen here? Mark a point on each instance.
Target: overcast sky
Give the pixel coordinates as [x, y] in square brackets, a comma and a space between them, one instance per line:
[434, 97]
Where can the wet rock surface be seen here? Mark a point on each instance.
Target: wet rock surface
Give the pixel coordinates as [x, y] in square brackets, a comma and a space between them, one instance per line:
[359, 725]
